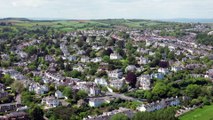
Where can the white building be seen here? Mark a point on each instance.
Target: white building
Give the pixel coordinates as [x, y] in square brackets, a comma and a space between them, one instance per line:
[143, 61]
[85, 59]
[101, 81]
[176, 69]
[157, 76]
[96, 102]
[144, 82]
[115, 74]
[96, 60]
[38, 89]
[94, 91]
[163, 70]
[115, 56]
[117, 84]
[58, 94]
[130, 68]
[159, 104]
[50, 102]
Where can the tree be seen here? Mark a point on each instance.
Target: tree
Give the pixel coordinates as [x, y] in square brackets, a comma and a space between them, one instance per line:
[171, 55]
[119, 116]
[36, 113]
[81, 94]
[192, 91]
[27, 98]
[160, 89]
[7, 80]
[131, 78]
[17, 86]
[75, 74]
[68, 92]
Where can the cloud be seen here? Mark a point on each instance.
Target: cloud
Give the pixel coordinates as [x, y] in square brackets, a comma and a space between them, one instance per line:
[92, 9]
[29, 3]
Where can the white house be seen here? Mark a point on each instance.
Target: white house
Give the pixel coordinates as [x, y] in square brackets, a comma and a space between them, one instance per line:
[50, 101]
[96, 60]
[117, 84]
[176, 69]
[130, 68]
[96, 102]
[159, 104]
[163, 70]
[94, 91]
[85, 59]
[115, 56]
[37, 88]
[72, 58]
[144, 82]
[115, 74]
[157, 76]
[143, 61]
[58, 94]
[101, 81]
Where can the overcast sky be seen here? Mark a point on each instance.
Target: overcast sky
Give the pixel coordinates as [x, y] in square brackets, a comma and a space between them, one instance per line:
[102, 9]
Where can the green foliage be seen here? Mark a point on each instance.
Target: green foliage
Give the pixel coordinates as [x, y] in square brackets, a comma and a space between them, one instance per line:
[7, 80]
[36, 113]
[205, 39]
[164, 114]
[119, 117]
[68, 92]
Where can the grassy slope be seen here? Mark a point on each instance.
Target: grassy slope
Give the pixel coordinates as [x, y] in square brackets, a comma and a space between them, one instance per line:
[70, 25]
[205, 113]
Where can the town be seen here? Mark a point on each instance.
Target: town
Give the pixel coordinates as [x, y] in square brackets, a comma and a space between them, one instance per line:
[105, 72]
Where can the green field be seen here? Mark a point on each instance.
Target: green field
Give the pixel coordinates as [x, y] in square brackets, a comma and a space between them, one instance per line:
[205, 113]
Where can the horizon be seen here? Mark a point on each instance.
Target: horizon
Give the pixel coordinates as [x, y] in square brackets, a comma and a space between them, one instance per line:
[180, 20]
[107, 9]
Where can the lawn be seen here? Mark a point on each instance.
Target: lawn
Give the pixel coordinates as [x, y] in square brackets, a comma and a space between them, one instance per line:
[205, 113]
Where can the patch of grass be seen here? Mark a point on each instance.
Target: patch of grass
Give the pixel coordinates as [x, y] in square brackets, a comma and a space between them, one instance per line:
[205, 113]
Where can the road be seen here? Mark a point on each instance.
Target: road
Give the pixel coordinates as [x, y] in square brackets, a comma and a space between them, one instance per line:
[123, 97]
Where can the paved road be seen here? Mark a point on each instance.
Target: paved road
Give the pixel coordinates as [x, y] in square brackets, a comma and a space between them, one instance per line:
[122, 96]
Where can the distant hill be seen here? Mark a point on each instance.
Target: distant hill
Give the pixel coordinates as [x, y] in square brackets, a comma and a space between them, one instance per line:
[188, 20]
[20, 19]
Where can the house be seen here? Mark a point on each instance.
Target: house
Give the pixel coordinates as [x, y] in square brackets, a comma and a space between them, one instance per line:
[58, 94]
[176, 69]
[38, 89]
[3, 94]
[49, 58]
[117, 74]
[9, 107]
[144, 82]
[209, 74]
[159, 104]
[94, 91]
[163, 70]
[81, 52]
[130, 68]
[107, 115]
[53, 76]
[157, 76]
[115, 56]
[85, 59]
[72, 58]
[117, 84]
[143, 61]
[50, 101]
[2, 87]
[15, 116]
[101, 81]
[98, 101]
[96, 60]
[79, 68]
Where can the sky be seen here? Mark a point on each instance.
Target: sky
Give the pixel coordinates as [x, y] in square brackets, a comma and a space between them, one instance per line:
[104, 9]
